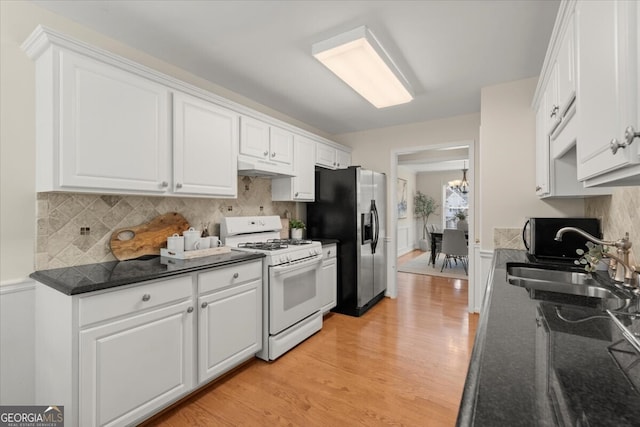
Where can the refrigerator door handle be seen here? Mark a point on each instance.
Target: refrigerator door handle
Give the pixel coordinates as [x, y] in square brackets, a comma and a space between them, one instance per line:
[374, 242]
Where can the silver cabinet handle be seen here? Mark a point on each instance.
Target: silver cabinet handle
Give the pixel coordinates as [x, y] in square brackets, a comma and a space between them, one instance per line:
[615, 145]
[164, 184]
[179, 185]
[630, 134]
[554, 110]
[146, 297]
[266, 153]
[204, 304]
[235, 275]
[190, 310]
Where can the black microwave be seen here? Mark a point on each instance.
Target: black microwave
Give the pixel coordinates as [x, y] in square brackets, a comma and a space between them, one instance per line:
[539, 235]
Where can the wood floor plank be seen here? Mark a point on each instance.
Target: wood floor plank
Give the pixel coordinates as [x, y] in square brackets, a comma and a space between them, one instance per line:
[401, 364]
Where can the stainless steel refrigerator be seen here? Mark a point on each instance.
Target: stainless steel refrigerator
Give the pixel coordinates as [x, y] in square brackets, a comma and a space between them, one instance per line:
[350, 206]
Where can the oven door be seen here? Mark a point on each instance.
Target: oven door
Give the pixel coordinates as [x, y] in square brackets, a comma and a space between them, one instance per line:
[294, 292]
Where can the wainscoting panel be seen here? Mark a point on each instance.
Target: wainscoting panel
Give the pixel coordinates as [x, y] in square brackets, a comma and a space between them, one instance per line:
[405, 244]
[17, 342]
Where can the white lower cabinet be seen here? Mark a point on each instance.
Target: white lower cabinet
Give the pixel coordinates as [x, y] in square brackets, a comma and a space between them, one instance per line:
[329, 274]
[230, 318]
[133, 366]
[116, 357]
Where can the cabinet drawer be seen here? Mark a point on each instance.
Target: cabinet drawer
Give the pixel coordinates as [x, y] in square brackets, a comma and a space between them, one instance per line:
[229, 276]
[329, 251]
[120, 302]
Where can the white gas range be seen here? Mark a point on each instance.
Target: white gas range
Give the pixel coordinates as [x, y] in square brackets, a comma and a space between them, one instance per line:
[291, 271]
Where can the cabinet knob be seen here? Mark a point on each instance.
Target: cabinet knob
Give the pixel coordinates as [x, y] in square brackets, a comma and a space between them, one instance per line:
[204, 304]
[538, 188]
[615, 145]
[329, 253]
[334, 163]
[190, 310]
[630, 134]
[266, 153]
[235, 275]
[273, 154]
[554, 110]
[179, 185]
[146, 297]
[164, 184]
[297, 194]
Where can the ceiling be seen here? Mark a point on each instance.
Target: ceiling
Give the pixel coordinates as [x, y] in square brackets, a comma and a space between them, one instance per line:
[448, 50]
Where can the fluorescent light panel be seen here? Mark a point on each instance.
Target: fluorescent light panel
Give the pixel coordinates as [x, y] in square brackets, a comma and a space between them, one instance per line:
[361, 62]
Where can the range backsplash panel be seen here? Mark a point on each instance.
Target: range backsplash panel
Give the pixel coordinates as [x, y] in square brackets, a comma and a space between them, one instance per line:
[75, 228]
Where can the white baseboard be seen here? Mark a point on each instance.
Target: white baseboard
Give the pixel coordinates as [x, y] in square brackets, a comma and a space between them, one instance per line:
[17, 342]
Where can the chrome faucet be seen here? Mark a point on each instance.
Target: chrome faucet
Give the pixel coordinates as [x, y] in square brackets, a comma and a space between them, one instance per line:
[628, 274]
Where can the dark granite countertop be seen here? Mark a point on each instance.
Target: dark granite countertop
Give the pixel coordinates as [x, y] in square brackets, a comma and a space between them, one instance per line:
[547, 363]
[105, 275]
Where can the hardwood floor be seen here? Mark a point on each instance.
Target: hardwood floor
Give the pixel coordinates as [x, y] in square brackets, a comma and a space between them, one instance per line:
[403, 363]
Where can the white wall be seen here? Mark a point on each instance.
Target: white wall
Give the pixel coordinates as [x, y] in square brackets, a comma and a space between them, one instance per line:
[507, 162]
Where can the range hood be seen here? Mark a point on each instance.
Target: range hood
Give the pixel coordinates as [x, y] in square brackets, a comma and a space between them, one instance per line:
[262, 168]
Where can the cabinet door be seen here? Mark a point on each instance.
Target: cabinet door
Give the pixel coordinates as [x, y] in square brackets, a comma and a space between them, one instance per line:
[343, 159]
[114, 128]
[301, 187]
[281, 146]
[542, 151]
[204, 148]
[606, 84]
[551, 100]
[325, 156]
[329, 287]
[254, 138]
[566, 77]
[133, 366]
[304, 183]
[230, 328]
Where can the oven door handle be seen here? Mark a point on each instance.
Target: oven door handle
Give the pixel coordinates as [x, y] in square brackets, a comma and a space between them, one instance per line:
[297, 265]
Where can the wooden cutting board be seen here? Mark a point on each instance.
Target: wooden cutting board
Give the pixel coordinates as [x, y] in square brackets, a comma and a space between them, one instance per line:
[146, 239]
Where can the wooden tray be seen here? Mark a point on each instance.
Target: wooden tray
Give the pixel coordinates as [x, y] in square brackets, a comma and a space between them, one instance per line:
[194, 254]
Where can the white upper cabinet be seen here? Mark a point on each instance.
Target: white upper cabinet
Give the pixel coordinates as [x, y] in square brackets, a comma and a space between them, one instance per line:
[204, 147]
[556, 103]
[113, 127]
[269, 146]
[607, 92]
[328, 156]
[300, 188]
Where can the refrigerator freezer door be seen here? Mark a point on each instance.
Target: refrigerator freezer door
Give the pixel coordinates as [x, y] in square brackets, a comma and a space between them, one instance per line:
[366, 273]
[380, 257]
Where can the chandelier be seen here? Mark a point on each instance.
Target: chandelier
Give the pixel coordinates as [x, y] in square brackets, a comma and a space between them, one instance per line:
[461, 185]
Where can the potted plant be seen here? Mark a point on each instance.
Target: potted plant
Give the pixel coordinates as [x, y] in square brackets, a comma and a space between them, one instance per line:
[296, 227]
[423, 207]
[462, 221]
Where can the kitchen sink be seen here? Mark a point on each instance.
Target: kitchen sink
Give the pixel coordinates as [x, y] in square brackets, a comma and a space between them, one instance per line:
[581, 288]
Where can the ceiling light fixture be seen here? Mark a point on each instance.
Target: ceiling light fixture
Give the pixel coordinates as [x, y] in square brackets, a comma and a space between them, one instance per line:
[360, 61]
[461, 186]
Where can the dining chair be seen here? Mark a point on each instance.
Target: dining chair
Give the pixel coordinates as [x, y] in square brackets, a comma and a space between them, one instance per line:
[454, 246]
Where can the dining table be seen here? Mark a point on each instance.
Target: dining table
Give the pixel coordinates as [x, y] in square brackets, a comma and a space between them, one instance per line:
[436, 236]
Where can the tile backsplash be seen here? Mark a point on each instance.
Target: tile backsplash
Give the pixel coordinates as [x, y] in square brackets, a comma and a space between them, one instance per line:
[75, 228]
[619, 213]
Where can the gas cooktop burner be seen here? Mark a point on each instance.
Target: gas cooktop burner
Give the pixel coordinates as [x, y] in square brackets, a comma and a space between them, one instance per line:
[292, 242]
[274, 244]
